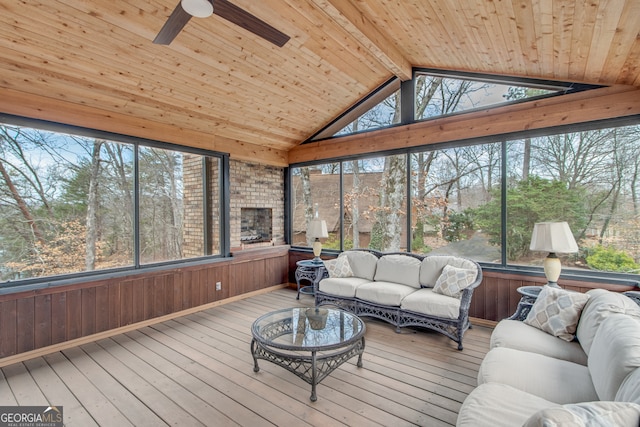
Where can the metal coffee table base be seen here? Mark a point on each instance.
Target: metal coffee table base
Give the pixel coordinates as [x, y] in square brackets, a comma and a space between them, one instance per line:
[313, 368]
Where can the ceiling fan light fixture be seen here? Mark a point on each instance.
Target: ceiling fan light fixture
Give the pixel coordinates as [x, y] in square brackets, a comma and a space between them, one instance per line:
[197, 8]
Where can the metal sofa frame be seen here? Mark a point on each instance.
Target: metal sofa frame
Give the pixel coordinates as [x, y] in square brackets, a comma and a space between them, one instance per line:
[452, 328]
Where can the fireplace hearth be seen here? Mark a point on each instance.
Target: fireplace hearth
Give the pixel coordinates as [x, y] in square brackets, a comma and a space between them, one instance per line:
[256, 225]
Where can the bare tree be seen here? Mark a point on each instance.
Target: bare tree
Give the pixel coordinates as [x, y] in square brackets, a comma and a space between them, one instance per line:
[92, 208]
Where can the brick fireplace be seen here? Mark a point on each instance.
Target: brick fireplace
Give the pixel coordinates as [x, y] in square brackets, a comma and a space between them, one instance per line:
[257, 204]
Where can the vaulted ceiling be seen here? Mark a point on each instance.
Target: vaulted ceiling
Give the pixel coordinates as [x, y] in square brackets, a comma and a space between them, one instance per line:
[92, 62]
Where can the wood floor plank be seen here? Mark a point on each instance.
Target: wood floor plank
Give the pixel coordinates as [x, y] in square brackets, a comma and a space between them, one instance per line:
[192, 374]
[158, 389]
[197, 370]
[24, 388]
[6, 395]
[92, 399]
[236, 354]
[242, 353]
[57, 392]
[86, 360]
[245, 377]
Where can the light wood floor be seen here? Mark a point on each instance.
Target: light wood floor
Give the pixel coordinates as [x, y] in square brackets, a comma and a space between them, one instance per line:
[198, 370]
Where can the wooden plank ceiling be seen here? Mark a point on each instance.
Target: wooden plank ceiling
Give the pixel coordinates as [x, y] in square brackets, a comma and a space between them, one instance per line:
[92, 62]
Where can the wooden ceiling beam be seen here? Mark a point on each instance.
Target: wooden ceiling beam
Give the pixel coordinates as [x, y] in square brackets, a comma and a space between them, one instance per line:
[356, 23]
[582, 107]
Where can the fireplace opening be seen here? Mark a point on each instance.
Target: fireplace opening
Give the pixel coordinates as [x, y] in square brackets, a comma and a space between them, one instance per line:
[256, 225]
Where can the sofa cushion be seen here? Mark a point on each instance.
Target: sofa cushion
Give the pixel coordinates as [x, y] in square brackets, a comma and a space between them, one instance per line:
[601, 305]
[499, 405]
[341, 286]
[629, 390]
[362, 263]
[614, 354]
[453, 280]
[426, 301]
[431, 267]
[587, 414]
[384, 293]
[401, 269]
[552, 379]
[557, 312]
[520, 336]
[339, 267]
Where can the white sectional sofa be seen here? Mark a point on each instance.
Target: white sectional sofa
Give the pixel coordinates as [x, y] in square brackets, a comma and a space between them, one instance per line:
[403, 289]
[531, 377]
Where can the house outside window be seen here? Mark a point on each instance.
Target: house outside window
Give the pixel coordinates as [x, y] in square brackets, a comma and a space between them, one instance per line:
[481, 200]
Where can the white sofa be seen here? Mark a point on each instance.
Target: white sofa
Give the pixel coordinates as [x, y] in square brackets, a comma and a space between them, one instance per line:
[403, 289]
[530, 377]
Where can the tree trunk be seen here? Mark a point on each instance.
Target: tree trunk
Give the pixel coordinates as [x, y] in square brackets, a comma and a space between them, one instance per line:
[634, 189]
[125, 186]
[526, 160]
[22, 205]
[355, 208]
[391, 208]
[307, 200]
[92, 208]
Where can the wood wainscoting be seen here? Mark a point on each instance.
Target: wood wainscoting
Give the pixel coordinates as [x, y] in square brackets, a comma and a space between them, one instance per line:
[497, 297]
[35, 319]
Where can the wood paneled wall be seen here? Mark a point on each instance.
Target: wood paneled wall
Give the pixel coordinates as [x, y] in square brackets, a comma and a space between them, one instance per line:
[35, 319]
[497, 296]
[32, 320]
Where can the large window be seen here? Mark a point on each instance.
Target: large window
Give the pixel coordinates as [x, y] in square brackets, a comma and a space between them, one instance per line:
[316, 189]
[383, 114]
[481, 201]
[375, 203]
[589, 179]
[71, 203]
[440, 94]
[448, 186]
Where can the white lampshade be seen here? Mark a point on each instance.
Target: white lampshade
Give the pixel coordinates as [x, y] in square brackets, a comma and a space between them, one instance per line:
[197, 8]
[317, 229]
[553, 237]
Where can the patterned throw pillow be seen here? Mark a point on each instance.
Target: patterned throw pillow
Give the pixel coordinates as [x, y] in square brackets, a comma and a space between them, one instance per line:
[339, 267]
[453, 280]
[557, 311]
[587, 414]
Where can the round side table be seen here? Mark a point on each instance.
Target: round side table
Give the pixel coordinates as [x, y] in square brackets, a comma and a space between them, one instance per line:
[312, 271]
[529, 296]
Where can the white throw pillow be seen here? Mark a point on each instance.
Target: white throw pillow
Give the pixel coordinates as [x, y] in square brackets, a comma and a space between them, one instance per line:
[588, 414]
[453, 280]
[557, 311]
[339, 267]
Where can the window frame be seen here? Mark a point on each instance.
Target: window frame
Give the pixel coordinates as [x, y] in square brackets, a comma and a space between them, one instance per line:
[408, 92]
[136, 266]
[504, 266]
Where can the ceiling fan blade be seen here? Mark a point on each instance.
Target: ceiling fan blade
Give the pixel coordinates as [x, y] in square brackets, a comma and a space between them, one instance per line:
[244, 19]
[173, 26]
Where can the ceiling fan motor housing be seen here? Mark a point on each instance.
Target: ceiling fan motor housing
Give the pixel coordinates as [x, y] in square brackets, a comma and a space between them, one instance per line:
[197, 8]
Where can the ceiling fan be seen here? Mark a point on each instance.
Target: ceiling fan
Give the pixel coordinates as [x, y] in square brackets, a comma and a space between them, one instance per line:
[205, 8]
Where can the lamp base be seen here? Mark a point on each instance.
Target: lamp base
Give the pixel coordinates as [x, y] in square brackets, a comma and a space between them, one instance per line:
[552, 268]
[317, 250]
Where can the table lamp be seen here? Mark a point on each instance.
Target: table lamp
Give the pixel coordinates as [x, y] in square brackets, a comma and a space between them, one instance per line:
[317, 229]
[553, 237]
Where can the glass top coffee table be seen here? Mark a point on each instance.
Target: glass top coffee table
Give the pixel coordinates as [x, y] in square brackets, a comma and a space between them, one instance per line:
[309, 342]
